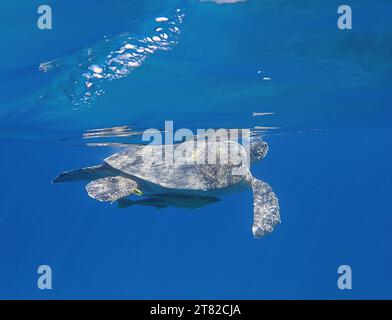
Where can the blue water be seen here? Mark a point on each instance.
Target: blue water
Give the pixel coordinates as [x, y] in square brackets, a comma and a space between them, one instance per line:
[329, 163]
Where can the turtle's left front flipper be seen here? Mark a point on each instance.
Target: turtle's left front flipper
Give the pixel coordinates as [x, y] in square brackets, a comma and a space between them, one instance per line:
[265, 208]
[112, 188]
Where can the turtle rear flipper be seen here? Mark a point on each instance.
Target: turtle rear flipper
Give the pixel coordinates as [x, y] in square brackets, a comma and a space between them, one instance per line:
[85, 174]
[112, 188]
[266, 212]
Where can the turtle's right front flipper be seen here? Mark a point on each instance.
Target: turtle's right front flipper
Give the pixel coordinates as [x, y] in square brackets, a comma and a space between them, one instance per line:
[266, 212]
[112, 188]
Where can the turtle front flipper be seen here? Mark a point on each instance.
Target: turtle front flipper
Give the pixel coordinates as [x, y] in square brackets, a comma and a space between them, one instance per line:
[112, 188]
[266, 212]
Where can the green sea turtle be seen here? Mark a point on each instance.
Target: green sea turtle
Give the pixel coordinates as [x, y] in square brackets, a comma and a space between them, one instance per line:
[185, 169]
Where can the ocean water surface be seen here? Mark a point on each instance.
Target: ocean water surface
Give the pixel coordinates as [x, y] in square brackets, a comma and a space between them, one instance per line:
[201, 64]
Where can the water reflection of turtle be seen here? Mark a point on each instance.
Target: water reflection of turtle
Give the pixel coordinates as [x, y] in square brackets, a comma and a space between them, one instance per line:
[138, 170]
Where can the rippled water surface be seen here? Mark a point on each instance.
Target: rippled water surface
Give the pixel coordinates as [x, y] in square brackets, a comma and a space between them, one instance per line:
[108, 70]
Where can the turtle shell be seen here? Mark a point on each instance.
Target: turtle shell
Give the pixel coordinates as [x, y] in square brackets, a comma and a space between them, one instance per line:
[191, 165]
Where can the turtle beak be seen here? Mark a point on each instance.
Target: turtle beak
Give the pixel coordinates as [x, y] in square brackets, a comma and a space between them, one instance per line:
[137, 192]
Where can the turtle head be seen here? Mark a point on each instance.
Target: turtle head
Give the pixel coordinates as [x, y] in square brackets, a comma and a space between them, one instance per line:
[258, 150]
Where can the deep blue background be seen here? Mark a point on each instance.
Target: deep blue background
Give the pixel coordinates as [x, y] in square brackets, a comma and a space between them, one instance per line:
[329, 163]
